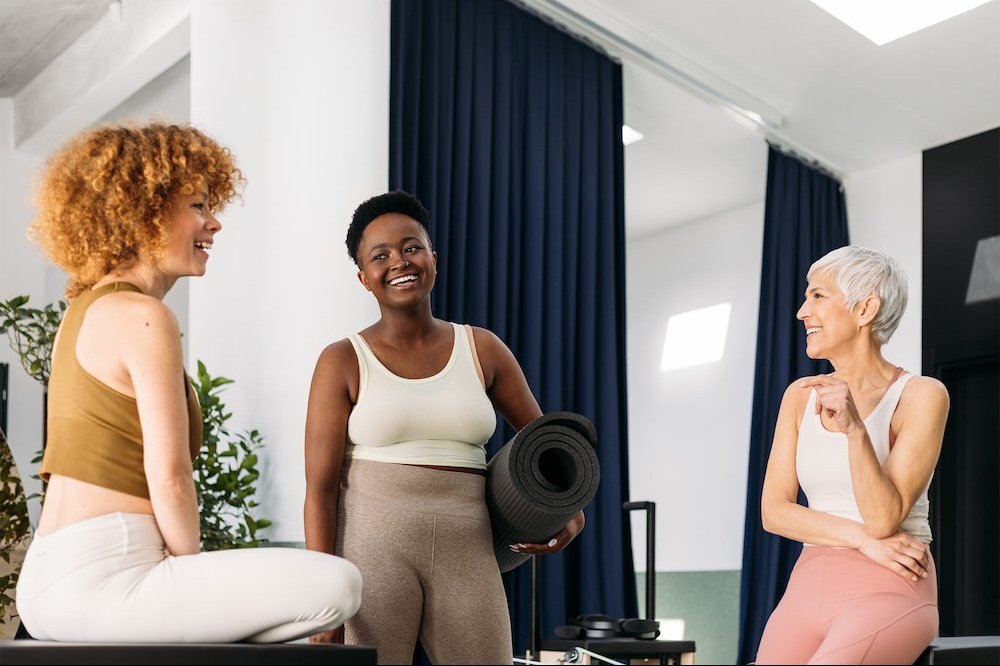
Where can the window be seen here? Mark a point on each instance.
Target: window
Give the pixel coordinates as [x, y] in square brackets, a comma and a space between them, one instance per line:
[696, 337]
[883, 21]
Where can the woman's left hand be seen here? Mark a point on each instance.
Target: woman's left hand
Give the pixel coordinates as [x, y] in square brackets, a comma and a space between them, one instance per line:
[833, 397]
[556, 543]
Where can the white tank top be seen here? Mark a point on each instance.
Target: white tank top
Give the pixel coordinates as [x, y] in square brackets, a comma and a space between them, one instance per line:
[824, 472]
[445, 419]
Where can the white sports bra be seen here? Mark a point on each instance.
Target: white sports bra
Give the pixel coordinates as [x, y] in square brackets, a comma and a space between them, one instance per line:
[445, 419]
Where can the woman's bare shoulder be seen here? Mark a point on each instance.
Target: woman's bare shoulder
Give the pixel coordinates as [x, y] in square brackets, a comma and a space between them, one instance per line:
[129, 321]
[922, 393]
[132, 308]
[485, 338]
[338, 355]
[796, 395]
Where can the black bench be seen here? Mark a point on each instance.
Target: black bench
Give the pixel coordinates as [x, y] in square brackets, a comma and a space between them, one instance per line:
[45, 652]
[619, 649]
[962, 650]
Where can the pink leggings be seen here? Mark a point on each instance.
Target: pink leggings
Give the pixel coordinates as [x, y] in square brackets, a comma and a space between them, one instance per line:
[842, 608]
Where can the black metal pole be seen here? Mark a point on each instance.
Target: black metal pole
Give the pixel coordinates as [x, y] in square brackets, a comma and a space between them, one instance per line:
[651, 560]
[45, 427]
[650, 509]
[533, 642]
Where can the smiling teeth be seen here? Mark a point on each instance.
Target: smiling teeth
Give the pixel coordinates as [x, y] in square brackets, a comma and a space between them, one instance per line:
[202, 245]
[810, 331]
[400, 280]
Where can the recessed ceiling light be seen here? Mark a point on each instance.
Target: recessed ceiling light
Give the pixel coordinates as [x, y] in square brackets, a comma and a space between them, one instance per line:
[630, 136]
[695, 337]
[882, 21]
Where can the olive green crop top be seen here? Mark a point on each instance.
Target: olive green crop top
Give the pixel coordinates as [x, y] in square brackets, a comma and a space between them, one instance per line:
[94, 434]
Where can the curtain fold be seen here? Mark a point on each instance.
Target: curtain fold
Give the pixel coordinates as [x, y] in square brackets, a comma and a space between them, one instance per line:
[805, 216]
[509, 131]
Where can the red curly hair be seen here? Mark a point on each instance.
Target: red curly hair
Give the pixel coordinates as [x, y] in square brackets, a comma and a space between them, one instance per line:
[104, 198]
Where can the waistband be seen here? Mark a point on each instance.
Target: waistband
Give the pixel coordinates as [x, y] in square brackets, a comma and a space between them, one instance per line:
[412, 488]
[422, 452]
[115, 520]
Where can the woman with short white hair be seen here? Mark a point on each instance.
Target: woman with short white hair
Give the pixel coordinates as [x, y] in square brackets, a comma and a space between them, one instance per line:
[862, 444]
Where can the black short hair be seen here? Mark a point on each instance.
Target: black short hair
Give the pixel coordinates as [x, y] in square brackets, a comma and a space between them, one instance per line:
[396, 201]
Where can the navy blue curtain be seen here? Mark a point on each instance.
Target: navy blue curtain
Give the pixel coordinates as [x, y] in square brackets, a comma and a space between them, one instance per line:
[804, 218]
[509, 131]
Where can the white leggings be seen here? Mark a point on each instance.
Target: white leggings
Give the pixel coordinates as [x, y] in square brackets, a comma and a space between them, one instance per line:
[109, 579]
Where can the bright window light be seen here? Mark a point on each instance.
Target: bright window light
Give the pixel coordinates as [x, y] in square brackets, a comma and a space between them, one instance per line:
[882, 21]
[696, 337]
[630, 136]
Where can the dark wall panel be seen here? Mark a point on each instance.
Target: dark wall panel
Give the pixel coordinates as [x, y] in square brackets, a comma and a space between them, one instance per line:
[961, 347]
[961, 207]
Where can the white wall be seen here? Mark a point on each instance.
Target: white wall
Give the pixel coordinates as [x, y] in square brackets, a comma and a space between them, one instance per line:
[300, 94]
[22, 271]
[885, 212]
[689, 429]
[167, 98]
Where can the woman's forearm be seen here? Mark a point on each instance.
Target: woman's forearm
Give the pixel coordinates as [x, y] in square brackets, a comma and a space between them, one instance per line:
[799, 523]
[175, 507]
[879, 502]
[320, 517]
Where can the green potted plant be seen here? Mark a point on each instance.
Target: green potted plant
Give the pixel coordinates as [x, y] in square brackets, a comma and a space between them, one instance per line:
[32, 333]
[225, 472]
[14, 535]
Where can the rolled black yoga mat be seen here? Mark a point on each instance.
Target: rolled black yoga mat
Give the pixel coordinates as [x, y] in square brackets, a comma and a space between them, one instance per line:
[545, 474]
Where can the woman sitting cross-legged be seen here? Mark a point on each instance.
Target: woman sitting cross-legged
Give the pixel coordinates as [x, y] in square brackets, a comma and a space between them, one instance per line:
[126, 212]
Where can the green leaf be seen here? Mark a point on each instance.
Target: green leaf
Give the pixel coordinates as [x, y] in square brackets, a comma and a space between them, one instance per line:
[225, 473]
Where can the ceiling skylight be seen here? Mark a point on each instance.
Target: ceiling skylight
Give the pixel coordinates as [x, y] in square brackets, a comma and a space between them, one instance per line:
[696, 337]
[882, 21]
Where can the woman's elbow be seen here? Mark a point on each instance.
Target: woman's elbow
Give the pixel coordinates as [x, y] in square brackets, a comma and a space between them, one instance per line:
[883, 522]
[170, 485]
[767, 517]
[882, 528]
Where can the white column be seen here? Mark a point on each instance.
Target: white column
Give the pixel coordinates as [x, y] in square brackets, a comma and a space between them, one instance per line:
[299, 92]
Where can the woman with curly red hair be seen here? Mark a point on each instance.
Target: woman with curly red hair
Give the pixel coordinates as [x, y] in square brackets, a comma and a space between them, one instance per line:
[127, 211]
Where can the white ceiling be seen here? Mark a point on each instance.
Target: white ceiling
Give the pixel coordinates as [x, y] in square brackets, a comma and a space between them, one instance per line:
[34, 32]
[843, 100]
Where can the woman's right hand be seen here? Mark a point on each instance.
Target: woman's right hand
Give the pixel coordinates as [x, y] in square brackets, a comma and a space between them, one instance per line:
[332, 636]
[900, 552]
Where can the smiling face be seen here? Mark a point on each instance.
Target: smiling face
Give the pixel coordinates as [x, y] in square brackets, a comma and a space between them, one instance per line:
[192, 230]
[397, 263]
[829, 324]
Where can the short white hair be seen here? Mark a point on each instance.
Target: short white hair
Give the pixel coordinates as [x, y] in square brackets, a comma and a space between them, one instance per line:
[860, 273]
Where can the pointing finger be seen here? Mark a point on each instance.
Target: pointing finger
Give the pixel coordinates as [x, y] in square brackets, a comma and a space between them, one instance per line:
[817, 380]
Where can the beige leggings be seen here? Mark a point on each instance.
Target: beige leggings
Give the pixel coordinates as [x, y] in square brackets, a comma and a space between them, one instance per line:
[109, 580]
[423, 542]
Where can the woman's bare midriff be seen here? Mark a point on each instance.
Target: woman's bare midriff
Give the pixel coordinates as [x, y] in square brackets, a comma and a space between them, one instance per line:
[68, 501]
